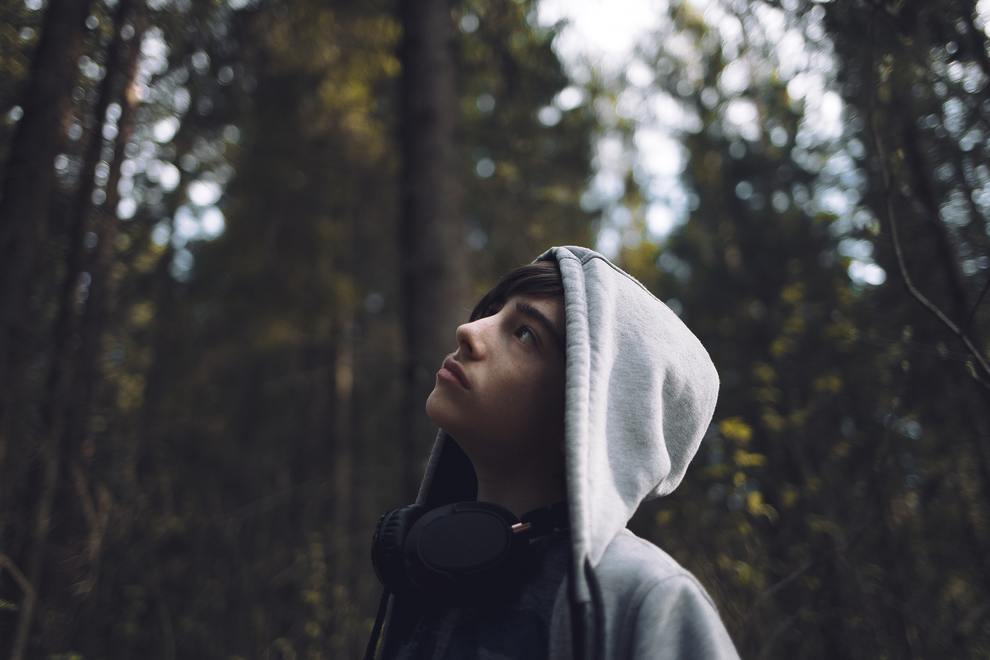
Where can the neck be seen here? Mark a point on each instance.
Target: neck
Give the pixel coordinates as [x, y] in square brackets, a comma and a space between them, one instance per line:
[520, 489]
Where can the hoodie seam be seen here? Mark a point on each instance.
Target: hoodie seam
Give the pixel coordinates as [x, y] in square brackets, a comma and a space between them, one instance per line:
[565, 253]
[587, 258]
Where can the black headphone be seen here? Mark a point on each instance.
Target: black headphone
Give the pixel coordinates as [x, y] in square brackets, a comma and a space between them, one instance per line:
[461, 550]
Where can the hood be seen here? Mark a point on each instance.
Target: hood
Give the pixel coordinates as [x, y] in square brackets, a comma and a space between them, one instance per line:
[640, 394]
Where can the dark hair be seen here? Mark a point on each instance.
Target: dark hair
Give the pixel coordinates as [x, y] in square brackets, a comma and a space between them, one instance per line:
[541, 279]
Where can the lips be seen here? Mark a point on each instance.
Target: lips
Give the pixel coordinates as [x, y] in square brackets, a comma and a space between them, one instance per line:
[451, 365]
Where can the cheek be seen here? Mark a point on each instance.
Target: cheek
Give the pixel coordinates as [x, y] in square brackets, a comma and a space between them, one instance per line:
[527, 399]
[552, 403]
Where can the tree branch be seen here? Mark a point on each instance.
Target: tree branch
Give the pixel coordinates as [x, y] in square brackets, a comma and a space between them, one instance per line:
[19, 577]
[27, 607]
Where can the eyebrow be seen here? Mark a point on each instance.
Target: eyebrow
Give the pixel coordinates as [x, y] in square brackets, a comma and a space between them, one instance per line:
[531, 312]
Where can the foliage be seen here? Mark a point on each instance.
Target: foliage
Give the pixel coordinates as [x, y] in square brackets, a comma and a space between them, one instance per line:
[839, 509]
[242, 441]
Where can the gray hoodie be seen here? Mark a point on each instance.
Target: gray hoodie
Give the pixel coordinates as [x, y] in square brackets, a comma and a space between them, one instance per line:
[640, 393]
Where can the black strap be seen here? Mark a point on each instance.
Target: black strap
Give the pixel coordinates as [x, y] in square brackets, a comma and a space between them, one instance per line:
[376, 630]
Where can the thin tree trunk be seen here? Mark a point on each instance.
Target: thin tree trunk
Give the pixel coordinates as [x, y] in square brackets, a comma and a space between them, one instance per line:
[28, 178]
[122, 60]
[67, 391]
[27, 190]
[102, 286]
[432, 250]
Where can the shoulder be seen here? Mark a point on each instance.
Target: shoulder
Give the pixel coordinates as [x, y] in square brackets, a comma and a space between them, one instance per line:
[634, 563]
[657, 605]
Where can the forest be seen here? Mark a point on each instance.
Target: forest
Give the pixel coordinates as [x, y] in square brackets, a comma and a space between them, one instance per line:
[236, 237]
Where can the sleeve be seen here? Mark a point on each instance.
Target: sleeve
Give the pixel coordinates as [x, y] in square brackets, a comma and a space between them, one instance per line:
[678, 621]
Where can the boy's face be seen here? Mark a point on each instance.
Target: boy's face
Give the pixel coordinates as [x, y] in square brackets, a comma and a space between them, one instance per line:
[507, 402]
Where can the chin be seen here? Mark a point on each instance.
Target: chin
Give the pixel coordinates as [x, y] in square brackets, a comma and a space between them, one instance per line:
[447, 414]
[438, 409]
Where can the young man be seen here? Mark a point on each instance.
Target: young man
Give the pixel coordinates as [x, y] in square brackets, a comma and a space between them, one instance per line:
[573, 395]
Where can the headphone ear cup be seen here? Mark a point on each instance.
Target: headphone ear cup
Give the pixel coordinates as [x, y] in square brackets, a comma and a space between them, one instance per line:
[387, 546]
[460, 551]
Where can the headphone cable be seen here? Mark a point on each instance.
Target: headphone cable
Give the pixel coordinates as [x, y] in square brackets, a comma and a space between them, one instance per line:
[376, 630]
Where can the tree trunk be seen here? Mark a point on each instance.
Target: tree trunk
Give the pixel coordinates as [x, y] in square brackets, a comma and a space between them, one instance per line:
[27, 189]
[102, 287]
[432, 260]
[29, 177]
[85, 541]
[69, 387]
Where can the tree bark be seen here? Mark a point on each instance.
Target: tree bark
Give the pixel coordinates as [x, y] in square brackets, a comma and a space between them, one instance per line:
[73, 348]
[29, 177]
[102, 288]
[25, 200]
[432, 260]
[78, 444]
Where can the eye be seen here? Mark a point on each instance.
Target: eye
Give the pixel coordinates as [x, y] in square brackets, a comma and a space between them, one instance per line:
[526, 335]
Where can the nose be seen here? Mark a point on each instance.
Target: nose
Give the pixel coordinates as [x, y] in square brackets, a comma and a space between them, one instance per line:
[470, 339]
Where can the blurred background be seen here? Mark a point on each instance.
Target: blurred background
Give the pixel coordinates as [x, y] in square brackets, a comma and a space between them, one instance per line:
[236, 237]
